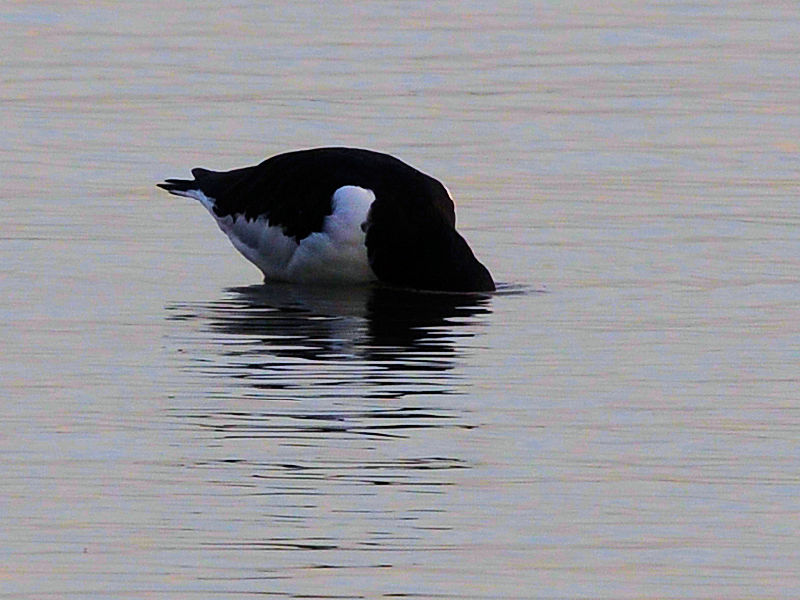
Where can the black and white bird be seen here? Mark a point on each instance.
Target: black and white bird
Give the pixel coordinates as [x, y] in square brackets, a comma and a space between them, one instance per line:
[345, 215]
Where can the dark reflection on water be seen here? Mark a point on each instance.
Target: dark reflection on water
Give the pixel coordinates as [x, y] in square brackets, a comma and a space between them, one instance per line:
[328, 360]
[374, 323]
[386, 324]
[333, 420]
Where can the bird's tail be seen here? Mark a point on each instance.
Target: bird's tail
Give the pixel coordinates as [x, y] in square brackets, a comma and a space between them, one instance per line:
[183, 187]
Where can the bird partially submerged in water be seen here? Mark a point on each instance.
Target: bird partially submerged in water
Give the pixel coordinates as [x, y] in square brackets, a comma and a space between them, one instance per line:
[328, 215]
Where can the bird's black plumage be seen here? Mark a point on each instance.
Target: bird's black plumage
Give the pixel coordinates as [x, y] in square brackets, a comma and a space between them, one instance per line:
[410, 238]
[294, 189]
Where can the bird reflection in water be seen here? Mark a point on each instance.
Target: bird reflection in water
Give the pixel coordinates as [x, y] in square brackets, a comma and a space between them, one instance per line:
[338, 359]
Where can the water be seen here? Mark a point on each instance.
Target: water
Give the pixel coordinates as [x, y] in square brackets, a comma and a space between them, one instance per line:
[619, 421]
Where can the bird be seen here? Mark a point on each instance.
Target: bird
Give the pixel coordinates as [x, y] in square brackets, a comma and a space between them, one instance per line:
[340, 215]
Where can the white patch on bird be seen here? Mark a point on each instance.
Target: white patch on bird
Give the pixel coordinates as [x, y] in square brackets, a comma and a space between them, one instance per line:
[337, 253]
[197, 195]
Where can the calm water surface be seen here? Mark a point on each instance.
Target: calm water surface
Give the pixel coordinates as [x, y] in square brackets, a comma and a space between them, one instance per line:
[619, 421]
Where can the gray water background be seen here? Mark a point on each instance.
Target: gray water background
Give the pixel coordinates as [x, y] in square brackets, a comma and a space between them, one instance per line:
[620, 421]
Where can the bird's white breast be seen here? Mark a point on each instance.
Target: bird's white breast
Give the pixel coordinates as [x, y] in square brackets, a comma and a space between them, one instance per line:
[336, 253]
